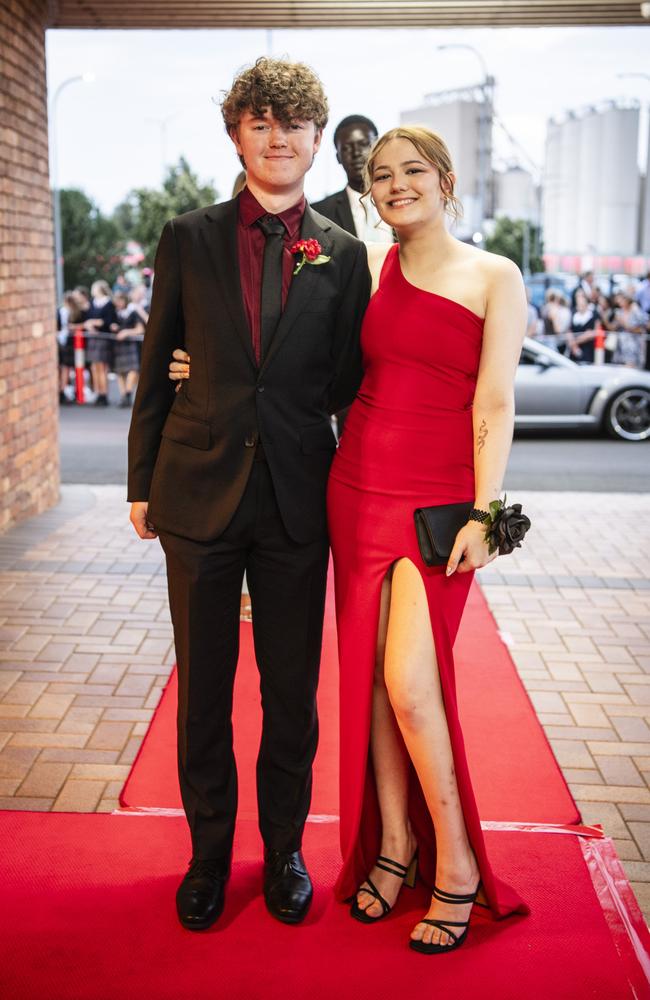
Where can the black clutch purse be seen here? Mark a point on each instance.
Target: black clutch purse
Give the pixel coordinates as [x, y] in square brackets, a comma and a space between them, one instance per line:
[436, 529]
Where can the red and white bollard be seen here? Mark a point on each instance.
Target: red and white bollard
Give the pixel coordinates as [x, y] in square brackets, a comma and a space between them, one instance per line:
[599, 347]
[79, 363]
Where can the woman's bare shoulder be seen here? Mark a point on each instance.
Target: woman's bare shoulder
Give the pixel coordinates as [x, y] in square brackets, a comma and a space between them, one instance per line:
[499, 269]
[500, 265]
[488, 263]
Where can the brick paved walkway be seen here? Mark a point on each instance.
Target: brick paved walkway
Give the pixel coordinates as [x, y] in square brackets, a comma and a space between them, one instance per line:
[574, 608]
[85, 647]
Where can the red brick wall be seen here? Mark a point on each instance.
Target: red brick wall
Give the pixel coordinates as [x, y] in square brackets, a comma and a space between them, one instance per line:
[29, 452]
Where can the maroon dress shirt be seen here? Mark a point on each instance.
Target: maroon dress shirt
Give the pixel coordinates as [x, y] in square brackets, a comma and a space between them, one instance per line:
[250, 248]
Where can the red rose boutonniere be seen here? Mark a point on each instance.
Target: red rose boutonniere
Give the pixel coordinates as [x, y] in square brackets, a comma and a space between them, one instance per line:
[311, 252]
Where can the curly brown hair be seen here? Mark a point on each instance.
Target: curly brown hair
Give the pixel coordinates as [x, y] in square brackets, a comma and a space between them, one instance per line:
[291, 90]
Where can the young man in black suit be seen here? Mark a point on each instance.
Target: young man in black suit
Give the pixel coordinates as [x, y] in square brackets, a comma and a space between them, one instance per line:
[230, 473]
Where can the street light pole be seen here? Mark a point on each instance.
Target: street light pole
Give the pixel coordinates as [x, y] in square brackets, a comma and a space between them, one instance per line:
[58, 244]
[485, 126]
[525, 255]
[162, 124]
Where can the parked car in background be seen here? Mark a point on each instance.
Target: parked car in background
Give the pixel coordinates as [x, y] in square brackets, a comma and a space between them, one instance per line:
[610, 284]
[553, 391]
[565, 282]
[545, 281]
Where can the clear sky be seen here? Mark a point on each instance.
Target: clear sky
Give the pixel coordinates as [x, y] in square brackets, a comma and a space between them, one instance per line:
[110, 136]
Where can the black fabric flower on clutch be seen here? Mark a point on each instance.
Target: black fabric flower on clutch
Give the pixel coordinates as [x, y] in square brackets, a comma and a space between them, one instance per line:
[506, 528]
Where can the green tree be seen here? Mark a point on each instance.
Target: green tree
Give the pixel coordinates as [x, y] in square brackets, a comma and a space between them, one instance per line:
[90, 242]
[144, 212]
[508, 240]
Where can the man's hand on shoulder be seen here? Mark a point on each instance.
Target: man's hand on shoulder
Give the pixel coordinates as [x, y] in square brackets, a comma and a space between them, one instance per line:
[139, 520]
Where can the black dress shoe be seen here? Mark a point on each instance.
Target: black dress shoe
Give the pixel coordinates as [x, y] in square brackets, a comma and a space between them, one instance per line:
[201, 894]
[287, 886]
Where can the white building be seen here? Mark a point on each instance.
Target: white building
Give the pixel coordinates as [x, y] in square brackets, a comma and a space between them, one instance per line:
[516, 194]
[645, 217]
[591, 182]
[458, 121]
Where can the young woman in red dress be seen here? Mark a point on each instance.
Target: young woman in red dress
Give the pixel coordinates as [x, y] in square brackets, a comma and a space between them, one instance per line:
[432, 424]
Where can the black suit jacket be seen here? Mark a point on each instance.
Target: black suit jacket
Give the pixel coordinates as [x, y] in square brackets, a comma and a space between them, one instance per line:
[190, 453]
[336, 207]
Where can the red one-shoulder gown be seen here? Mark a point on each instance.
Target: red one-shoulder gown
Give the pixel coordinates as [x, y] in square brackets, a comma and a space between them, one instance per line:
[408, 442]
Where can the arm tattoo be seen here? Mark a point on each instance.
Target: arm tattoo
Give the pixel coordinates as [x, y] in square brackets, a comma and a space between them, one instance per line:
[482, 434]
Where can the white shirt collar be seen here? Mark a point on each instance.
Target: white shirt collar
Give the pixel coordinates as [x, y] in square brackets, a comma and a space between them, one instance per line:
[368, 225]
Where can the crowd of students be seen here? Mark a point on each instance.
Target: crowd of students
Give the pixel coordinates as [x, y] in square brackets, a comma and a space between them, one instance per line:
[571, 325]
[113, 322]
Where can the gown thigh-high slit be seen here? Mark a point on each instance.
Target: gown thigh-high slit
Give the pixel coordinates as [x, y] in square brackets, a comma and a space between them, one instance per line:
[407, 443]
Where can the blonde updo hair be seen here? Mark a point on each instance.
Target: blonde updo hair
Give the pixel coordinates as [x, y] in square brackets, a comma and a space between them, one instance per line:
[431, 148]
[100, 289]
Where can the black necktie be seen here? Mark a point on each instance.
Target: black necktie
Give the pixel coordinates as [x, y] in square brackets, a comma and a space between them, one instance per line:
[271, 297]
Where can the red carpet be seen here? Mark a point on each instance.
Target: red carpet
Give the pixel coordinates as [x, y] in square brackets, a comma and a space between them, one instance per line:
[88, 914]
[514, 771]
[88, 900]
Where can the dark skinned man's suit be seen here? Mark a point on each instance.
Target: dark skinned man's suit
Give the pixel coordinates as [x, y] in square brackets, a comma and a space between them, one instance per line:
[336, 207]
[203, 458]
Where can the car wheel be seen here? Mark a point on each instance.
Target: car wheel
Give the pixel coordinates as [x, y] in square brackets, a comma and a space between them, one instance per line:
[628, 415]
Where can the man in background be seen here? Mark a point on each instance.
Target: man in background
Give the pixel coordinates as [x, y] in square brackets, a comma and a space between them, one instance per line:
[353, 139]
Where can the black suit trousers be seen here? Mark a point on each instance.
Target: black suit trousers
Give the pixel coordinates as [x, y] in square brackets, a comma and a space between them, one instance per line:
[287, 583]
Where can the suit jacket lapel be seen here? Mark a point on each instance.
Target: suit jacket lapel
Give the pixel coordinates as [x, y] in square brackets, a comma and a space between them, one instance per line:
[220, 237]
[303, 284]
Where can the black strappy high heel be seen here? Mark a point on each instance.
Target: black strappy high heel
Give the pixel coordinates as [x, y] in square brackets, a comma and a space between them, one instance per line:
[444, 925]
[408, 874]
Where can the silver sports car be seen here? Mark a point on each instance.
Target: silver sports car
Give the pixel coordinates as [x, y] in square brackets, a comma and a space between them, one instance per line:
[552, 391]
